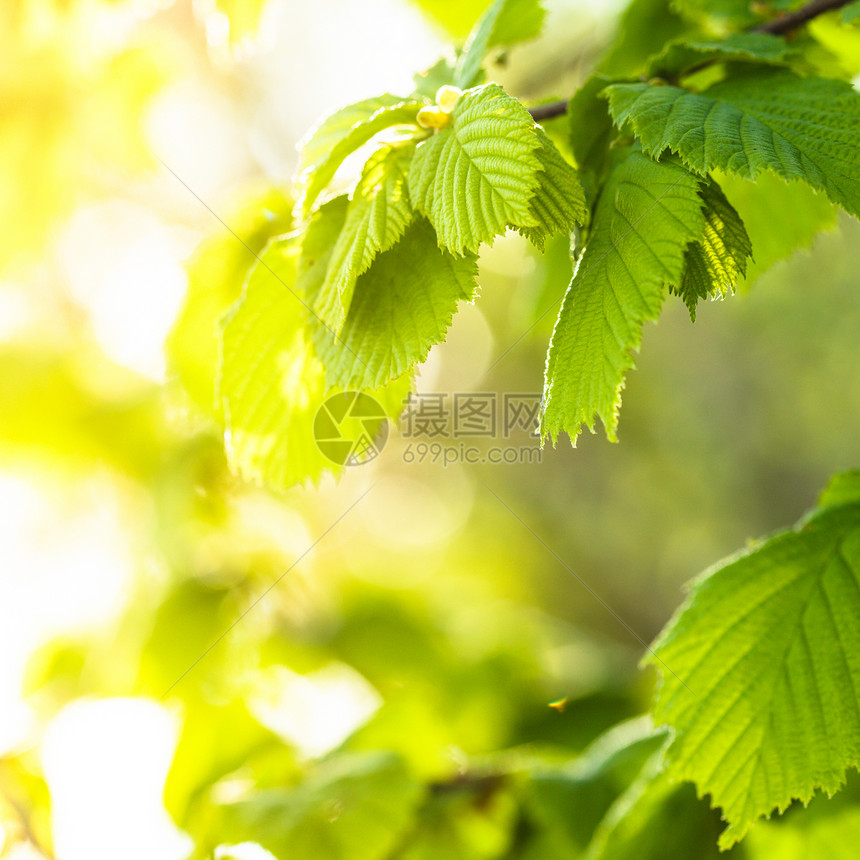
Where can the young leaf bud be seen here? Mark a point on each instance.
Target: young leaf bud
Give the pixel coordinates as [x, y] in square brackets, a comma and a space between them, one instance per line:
[432, 117]
[447, 97]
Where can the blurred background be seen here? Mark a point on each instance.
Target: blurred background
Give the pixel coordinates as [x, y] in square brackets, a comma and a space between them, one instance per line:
[183, 667]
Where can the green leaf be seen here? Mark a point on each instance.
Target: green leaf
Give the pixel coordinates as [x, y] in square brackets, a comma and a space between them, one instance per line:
[344, 132]
[763, 119]
[271, 381]
[715, 265]
[456, 16]
[657, 818]
[764, 667]
[216, 273]
[506, 22]
[478, 175]
[314, 149]
[559, 203]
[401, 306]
[566, 803]
[377, 216]
[843, 489]
[644, 28]
[647, 214]
[427, 83]
[355, 807]
[590, 130]
[851, 13]
[780, 217]
[681, 56]
[317, 245]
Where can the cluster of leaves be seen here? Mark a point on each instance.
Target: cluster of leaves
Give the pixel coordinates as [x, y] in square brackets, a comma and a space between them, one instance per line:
[363, 284]
[356, 293]
[661, 223]
[761, 666]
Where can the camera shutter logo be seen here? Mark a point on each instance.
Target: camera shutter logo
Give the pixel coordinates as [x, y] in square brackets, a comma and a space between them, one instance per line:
[351, 428]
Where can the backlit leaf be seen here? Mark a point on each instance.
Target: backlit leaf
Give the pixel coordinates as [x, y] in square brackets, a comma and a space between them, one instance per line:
[647, 215]
[401, 306]
[765, 668]
[763, 119]
[478, 175]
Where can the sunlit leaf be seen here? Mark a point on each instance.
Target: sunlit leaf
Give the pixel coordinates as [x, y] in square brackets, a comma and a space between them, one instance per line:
[716, 264]
[506, 22]
[344, 132]
[216, 273]
[765, 664]
[559, 203]
[401, 306]
[479, 175]
[271, 382]
[378, 214]
[647, 215]
[764, 119]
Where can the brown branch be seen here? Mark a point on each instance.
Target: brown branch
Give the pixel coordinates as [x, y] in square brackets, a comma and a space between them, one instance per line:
[548, 111]
[777, 27]
[483, 784]
[792, 20]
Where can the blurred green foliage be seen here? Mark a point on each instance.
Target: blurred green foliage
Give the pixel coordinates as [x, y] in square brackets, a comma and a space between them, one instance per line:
[504, 698]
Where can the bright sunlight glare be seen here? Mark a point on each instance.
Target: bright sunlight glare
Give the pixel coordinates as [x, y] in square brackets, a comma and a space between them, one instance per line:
[105, 762]
[68, 548]
[125, 268]
[315, 712]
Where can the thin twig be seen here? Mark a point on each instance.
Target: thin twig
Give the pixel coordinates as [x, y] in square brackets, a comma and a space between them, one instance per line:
[792, 20]
[548, 111]
[482, 784]
[777, 27]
